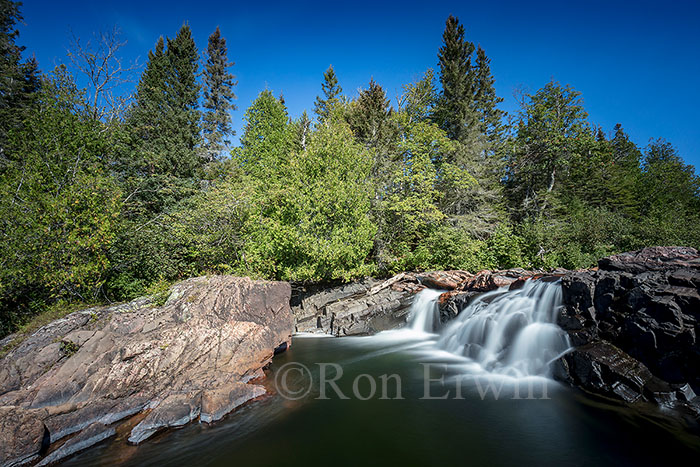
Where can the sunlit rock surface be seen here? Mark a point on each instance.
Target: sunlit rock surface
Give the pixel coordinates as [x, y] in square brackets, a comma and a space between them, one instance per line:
[191, 357]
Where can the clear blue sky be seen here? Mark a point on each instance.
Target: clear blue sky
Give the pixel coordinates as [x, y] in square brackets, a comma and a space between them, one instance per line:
[636, 62]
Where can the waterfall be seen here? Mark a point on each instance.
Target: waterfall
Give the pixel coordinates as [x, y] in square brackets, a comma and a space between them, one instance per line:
[424, 315]
[510, 332]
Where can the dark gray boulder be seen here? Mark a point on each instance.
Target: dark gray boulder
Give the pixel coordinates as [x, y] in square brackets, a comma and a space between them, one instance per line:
[634, 324]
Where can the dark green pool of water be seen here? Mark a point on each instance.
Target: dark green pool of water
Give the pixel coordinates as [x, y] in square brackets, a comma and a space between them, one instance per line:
[564, 429]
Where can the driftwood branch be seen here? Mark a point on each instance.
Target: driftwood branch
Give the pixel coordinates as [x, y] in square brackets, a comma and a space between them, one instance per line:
[387, 283]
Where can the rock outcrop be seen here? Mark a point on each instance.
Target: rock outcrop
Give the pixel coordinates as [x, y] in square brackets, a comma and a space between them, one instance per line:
[635, 322]
[66, 386]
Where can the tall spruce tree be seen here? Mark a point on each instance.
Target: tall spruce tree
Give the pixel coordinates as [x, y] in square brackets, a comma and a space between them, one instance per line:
[486, 100]
[332, 92]
[183, 97]
[218, 97]
[150, 107]
[454, 112]
[163, 164]
[165, 117]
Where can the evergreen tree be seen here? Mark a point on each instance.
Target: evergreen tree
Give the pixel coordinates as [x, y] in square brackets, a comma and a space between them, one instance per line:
[332, 92]
[165, 118]
[369, 118]
[625, 173]
[19, 81]
[150, 108]
[486, 100]
[454, 112]
[162, 164]
[218, 96]
[183, 97]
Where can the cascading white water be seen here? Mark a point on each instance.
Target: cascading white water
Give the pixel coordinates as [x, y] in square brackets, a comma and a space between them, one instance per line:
[510, 332]
[424, 313]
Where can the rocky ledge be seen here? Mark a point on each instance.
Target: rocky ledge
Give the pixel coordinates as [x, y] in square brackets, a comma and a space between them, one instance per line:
[371, 305]
[71, 383]
[634, 323]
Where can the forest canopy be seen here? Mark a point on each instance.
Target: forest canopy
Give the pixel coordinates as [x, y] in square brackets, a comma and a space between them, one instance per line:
[104, 198]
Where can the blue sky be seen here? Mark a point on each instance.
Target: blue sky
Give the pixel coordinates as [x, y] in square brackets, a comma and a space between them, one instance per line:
[636, 63]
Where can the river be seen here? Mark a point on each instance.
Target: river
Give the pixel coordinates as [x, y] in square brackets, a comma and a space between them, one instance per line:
[475, 392]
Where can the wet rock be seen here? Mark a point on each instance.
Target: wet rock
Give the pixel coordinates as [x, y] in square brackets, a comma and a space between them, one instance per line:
[219, 402]
[174, 411]
[95, 433]
[636, 314]
[452, 303]
[604, 369]
[369, 306]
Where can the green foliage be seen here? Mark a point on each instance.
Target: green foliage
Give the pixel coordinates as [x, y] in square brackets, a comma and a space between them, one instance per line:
[410, 210]
[445, 248]
[267, 138]
[201, 234]
[552, 136]
[310, 219]
[159, 292]
[59, 204]
[92, 210]
[505, 248]
[69, 348]
[419, 98]
[369, 117]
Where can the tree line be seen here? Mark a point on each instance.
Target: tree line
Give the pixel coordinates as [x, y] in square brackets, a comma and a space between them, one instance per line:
[104, 203]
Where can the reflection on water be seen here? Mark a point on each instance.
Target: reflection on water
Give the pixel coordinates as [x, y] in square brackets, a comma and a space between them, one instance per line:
[564, 428]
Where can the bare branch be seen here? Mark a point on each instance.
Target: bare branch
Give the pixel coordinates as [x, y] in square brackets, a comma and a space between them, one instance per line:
[99, 61]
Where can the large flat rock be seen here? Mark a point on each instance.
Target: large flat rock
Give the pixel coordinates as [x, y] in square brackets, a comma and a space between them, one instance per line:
[97, 367]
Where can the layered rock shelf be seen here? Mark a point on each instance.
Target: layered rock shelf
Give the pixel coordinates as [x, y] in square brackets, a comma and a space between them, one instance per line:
[68, 385]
